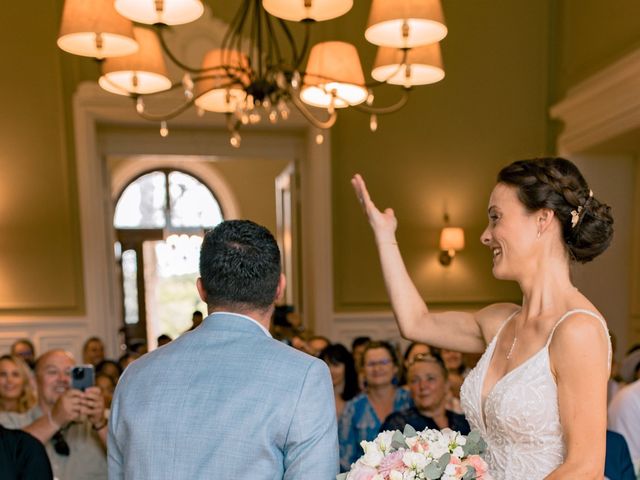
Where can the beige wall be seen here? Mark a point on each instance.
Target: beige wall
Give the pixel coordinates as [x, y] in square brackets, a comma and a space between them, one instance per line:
[443, 151]
[590, 35]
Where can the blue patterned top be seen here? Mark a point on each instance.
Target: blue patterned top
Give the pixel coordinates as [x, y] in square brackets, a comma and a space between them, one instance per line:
[359, 422]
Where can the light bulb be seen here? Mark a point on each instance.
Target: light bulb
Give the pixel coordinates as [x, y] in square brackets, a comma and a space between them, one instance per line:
[235, 139]
[273, 116]
[140, 105]
[373, 122]
[319, 139]
[370, 98]
[164, 130]
[295, 80]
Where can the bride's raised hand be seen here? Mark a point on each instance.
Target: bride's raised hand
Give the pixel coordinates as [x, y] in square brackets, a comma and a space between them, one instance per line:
[383, 223]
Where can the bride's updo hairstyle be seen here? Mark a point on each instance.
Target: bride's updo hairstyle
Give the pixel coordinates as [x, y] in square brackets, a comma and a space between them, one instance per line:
[557, 184]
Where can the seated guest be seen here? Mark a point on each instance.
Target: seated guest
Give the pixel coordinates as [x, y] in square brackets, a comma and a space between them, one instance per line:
[617, 462]
[363, 414]
[414, 348]
[107, 386]
[24, 349]
[70, 423]
[111, 368]
[624, 418]
[343, 374]
[357, 349]
[428, 383]
[16, 391]
[164, 339]
[22, 457]
[316, 344]
[93, 351]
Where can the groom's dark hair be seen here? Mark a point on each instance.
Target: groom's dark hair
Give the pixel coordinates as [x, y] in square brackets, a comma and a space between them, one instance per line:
[240, 266]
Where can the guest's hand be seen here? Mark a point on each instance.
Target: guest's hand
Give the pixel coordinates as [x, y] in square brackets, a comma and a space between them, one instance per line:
[383, 223]
[93, 406]
[67, 408]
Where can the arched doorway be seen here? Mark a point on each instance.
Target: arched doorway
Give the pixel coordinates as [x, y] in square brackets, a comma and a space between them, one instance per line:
[159, 219]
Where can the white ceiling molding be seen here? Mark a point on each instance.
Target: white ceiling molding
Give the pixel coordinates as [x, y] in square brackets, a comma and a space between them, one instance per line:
[600, 108]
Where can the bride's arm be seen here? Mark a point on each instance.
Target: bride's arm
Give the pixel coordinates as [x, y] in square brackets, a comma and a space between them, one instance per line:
[461, 331]
[579, 355]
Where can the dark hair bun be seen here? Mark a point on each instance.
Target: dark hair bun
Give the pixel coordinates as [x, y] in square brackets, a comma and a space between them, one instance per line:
[593, 234]
[557, 184]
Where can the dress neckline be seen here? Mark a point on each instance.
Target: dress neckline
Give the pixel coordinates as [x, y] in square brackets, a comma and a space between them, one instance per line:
[491, 352]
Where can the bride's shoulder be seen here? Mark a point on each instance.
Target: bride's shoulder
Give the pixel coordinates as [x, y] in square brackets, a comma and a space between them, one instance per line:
[493, 317]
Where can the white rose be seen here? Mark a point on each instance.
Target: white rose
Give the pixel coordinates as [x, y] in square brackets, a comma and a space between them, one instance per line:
[458, 452]
[415, 461]
[372, 458]
[395, 475]
[384, 439]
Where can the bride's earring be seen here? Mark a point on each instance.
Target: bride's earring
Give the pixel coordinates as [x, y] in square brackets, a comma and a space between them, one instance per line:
[538, 236]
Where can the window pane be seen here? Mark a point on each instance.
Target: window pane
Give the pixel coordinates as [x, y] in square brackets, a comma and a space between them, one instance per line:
[130, 286]
[174, 290]
[142, 204]
[192, 204]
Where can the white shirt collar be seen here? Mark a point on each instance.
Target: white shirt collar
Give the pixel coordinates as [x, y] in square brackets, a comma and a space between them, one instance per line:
[266, 332]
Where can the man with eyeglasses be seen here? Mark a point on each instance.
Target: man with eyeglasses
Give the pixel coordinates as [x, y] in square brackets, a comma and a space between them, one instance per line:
[70, 423]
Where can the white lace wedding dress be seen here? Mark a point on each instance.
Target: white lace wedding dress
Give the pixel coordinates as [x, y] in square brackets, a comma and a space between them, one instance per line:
[520, 420]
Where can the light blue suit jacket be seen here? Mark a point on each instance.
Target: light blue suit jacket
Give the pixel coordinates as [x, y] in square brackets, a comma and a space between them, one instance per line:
[224, 401]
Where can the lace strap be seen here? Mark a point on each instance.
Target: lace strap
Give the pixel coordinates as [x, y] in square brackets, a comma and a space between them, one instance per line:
[586, 312]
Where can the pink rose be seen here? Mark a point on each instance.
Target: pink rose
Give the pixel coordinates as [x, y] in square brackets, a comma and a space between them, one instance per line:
[362, 472]
[478, 463]
[393, 461]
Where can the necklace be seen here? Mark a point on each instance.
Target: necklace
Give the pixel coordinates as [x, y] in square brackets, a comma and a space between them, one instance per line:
[513, 344]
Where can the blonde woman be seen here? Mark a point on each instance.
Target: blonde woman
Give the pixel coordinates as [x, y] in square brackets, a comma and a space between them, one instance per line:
[16, 389]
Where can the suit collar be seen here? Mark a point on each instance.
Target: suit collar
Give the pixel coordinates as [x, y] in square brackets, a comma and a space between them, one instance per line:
[234, 321]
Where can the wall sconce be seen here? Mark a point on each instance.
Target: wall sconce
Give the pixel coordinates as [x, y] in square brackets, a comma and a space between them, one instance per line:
[451, 240]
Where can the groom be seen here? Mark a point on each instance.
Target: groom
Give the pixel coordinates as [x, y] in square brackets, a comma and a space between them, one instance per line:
[226, 401]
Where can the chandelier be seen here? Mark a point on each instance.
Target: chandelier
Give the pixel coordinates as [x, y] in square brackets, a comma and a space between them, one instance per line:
[258, 71]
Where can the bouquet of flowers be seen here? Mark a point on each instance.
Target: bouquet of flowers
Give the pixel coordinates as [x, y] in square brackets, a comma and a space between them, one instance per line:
[425, 455]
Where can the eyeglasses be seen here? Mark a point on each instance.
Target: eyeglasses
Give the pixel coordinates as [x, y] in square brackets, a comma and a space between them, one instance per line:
[381, 363]
[60, 445]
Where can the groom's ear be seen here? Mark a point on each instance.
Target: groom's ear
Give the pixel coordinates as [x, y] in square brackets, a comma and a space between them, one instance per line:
[202, 293]
[282, 285]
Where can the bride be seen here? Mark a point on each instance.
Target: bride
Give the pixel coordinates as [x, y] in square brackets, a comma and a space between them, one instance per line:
[538, 394]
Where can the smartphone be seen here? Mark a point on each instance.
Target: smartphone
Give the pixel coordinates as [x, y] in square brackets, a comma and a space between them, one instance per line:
[82, 377]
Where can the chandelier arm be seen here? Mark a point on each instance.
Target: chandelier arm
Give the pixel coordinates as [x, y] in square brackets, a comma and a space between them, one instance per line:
[165, 48]
[258, 44]
[302, 108]
[305, 45]
[403, 62]
[168, 116]
[273, 44]
[388, 109]
[235, 26]
[292, 43]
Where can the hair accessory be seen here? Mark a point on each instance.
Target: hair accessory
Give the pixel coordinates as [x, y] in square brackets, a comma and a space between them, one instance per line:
[575, 214]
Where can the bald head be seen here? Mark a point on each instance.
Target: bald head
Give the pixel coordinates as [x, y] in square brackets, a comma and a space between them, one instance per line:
[53, 375]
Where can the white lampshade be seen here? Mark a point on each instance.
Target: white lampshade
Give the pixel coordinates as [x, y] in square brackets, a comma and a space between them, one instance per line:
[297, 10]
[142, 72]
[169, 12]
[333, 67]
[93, 28]
[424, 65]
[405, 23]
[451, 239]
[222, 93]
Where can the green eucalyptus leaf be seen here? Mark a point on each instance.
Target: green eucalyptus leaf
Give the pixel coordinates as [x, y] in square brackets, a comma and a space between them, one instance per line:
[470, 474]
[409, 431]
[397, 441]
[433, 471]
[444, 460]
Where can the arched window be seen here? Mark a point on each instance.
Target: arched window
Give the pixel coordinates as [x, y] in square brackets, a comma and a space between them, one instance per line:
[160, 219]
